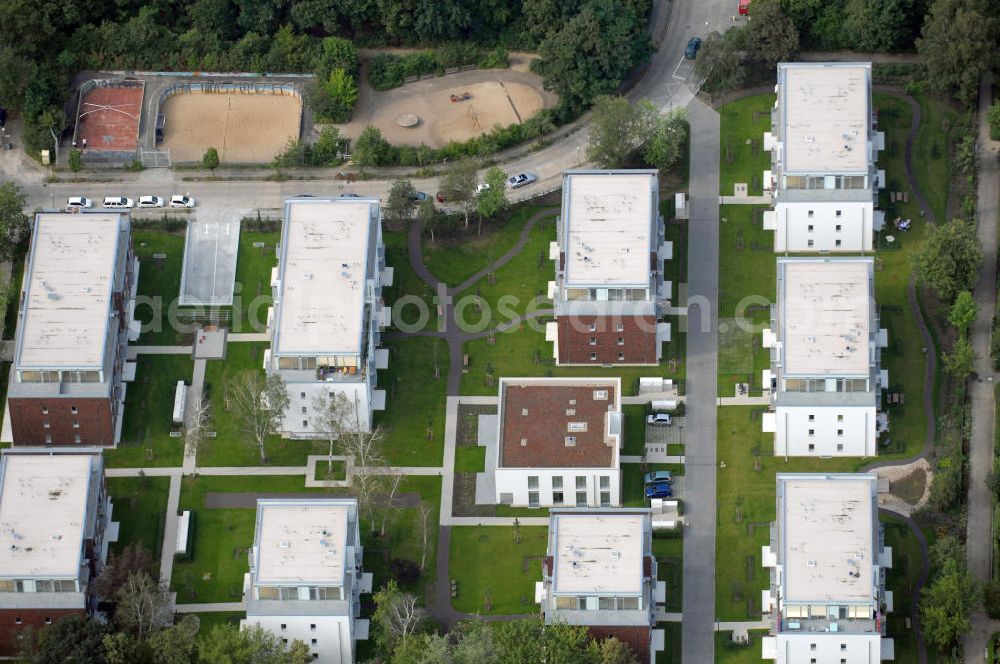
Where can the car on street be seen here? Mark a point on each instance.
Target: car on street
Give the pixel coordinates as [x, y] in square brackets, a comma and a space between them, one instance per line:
[691, 52]
[419, 196]
[657, 476]
[118, 202]
[744, 7]
[659, 419]
[79, 202]
[181, 201]
[660, 490]
[521, 180]
[150, 202]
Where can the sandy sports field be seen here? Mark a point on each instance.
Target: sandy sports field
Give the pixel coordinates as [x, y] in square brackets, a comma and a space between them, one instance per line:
[244, 128]
[501, 97]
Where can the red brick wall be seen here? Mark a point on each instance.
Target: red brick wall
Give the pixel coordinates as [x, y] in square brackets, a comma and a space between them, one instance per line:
[27, 420]
[636, 638]
[638, 333]
[33, 618]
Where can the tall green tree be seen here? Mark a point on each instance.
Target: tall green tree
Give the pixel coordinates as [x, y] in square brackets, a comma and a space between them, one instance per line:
[958, 44]
[666, 144]
[963, 312]
[15, 225]
[74, 639]
[459, 185]
[228, 644]
[371, 149]
[493, 200]
[772, 36]
[210, 159]
[719, 62]
[619, 129]
[949, 259]
[946, 604]
[960, 360]
[880, 25]
[401, 200]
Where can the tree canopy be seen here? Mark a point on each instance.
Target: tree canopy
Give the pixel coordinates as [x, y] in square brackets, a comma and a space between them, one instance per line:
[950, 258]
[958, 44]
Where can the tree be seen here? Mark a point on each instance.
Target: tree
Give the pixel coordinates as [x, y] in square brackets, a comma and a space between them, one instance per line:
[74, 639]
[423, 649]
[459, 185]
[404, 571]
[534, 641]
[144, 606]
[75, 160]
[593, 51]
[994, 117]
[396, 616]
[122, 648]
[946, 604]
[428, 216]
[474, 643]
[332, 98]
[227, 644]
[719, 63]
[613, 651]
[880, 25]
[392, 480]
[260, 402]
[196, 427]
[210, 159]
[963, 312]
[666, 144]
[401, 201]
[955, 36]
[327, 149]
[960, 361]
[950, 258]
[365, 451]
[618, 129]
[492, 200]
[177, 644]
[331, 416]
[371, 149]
[991, 599]
[424, 511]
[133, 559]
[965, 156]
[15, 225]
[337, 53]
[772, 37]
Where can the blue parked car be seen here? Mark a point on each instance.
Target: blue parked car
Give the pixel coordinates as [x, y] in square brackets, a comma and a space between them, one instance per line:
[659, 490]
[691, 52]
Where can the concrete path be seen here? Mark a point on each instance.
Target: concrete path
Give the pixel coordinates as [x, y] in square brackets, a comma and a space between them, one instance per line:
[631, 458]
[744, 401]
[746, 200]
[979, 540]
[135, 351]
[210, 607]
[191, 406]
[248, 336]
[697, 640]
[169, 547]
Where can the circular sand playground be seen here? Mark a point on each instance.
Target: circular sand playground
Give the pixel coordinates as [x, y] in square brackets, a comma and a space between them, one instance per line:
[244, 128]
[485, 98]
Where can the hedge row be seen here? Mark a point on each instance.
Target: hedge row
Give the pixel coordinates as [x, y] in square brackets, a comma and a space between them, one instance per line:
[388, 70]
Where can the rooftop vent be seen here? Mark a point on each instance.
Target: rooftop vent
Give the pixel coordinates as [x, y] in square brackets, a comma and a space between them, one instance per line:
[616, 555]
[284, 544]
[811, 563]
[570, 441]
[524, 442]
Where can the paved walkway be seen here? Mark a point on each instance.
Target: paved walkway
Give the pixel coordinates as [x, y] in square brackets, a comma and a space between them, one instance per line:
[746, 200]
[248, 336]
[210, 607]
[191, 407]
[745, 401]
[697, 639]
[135, 351]
[979, 539]
[169, 546]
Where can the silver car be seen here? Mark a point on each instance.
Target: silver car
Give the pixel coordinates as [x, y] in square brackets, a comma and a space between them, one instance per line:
[521, 180]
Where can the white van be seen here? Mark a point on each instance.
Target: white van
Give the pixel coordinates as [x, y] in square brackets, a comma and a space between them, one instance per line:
[118, 202]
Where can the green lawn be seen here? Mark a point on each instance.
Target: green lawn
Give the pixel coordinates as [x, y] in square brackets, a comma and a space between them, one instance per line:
[739, 576]
[726, 652]
[454, 261]
[159, 283]
[671, 654]
[222, 536]
[231, 446]
[206, 621]
[513, 568]
[470, 459]
[140, 505]
[252, 290]
[322, 470]
[635, 430]
[742, 120]
[669, 552]
[415, 401]
[931, 164]
[405, 282]
[148, 417]
[906, 565]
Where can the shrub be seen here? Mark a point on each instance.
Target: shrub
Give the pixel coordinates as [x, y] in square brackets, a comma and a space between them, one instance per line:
[498, 58]
[333, 99]
[991, 599]
[404, 571]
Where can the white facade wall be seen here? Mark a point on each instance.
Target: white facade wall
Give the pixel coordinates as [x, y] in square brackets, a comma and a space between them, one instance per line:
[823, 648]
[333, 635]
[793, 425]
[514, 481]
[299, 424]
[819, 226]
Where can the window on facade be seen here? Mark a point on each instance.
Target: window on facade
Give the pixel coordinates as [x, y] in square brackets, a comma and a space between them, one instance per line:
[17, 620]
[593, 357]
[76, 438]
[570, 441]
[810, 214]
[836, 243]
[557, 497]
[838, 213]
[48, 439]
[557, 482]
[812, 418]
[621, 341]
[312, 641]
[304, 410]
[606, 603]
[812, 647]
[302, 395]
[593, 327]
[284, 626]
[839, 228]
[600, 395]
[532, 499]
[840, 418]
[76, 424]
[621, 327]
[74, 410]
[812, 432]
[621, 357]
[812, 447]
[605, 482]
[576, 427]
[593, 341]
[532, 481]
[48, 620]
[840, 432]
[45, 410]
[312, 627]
[840, 447]
[810, 228]
[305, 424]
[605, 499]
[581, 482]
[809, 243]
[565, 602]
[581, 498]
[45, 424]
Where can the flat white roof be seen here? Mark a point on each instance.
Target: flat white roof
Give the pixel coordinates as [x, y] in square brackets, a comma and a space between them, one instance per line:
[597, 553]
[826, 117]
[324, 261]
[826, 317]
[828, 547]
[301, 541]
[68, 290]
[43, 511]
[608, 228]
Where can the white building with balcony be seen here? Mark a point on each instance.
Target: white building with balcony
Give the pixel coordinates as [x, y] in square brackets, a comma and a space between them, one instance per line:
[825, 378]
[328, 314]
[827, 600]
[824, 146]
[305, 577]
[558, 443]
[600, 571]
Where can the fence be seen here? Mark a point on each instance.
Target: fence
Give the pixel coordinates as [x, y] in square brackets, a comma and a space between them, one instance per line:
[155, 157]
[211, 87]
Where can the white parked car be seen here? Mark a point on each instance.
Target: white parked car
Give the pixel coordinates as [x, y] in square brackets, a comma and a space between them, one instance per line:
[658, 419]
[118, 202]
[181, 201]
[150, 202]
[521, 180]
[79, 202]
[480, 188]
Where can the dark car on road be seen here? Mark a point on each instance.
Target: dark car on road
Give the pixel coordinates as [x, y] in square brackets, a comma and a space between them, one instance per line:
[691, 52]
[659, 490]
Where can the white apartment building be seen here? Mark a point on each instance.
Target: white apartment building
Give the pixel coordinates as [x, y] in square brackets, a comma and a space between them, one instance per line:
[558, 443]
[328, 310]
[825, 377]
[824, 148]
[305, 577]
[827, 601]
[609, 291]
[600, 571]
